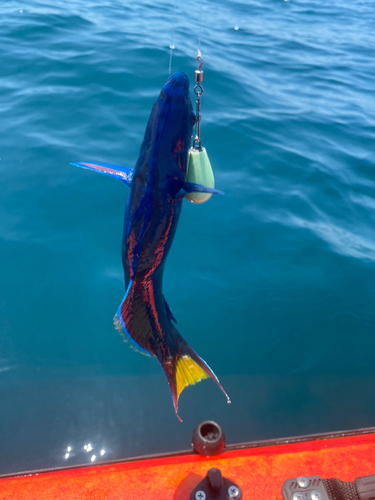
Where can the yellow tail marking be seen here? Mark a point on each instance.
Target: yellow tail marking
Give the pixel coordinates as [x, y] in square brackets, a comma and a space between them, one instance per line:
[188, 372]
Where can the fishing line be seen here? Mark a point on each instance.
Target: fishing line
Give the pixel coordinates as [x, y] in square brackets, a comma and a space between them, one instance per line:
[171, 46]
[172, 40]
[198, 89]
[200, 28]
[198, 170]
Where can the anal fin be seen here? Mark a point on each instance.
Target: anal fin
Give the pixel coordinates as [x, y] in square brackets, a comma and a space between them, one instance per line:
[120, 322]
[169, 311]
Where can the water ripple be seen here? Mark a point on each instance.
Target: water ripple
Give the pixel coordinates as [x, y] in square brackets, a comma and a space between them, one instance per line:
[275, 278]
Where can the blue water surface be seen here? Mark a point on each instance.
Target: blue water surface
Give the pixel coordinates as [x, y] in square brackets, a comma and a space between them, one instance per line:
[273, 284]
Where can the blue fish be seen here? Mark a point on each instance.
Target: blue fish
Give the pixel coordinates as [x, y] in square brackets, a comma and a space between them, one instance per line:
[157, 189]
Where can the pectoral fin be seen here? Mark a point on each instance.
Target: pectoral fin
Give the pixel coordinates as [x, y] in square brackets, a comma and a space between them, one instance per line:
[189, 187]
[124, 174]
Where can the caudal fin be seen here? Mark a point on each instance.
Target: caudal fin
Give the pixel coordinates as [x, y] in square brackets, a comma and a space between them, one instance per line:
[145, 319]
[188, 369]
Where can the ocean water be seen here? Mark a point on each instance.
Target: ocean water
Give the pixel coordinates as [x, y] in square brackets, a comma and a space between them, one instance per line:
[273, 284]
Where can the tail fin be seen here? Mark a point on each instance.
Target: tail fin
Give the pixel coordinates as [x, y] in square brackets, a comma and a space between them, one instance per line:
[189, 369]
[144, 319]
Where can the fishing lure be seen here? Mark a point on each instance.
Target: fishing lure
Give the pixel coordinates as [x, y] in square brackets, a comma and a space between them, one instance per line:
[199, 170]
[158, 186]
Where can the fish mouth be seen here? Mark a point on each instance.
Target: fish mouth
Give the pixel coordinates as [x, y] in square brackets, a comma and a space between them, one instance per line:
[177, 84]
[179, 79]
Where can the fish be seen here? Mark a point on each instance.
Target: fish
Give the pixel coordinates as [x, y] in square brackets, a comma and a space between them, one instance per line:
[157, 189]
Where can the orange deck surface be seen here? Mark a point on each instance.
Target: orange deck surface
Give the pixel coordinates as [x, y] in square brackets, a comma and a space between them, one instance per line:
[260, 472]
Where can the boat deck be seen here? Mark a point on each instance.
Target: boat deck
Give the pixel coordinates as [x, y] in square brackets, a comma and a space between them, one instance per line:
[259, 470]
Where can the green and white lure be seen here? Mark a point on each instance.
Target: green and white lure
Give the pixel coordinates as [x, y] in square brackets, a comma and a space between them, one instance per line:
[199, 170]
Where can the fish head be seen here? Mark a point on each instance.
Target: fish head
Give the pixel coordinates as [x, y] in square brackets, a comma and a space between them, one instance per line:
[178, 118]
[169, 130]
